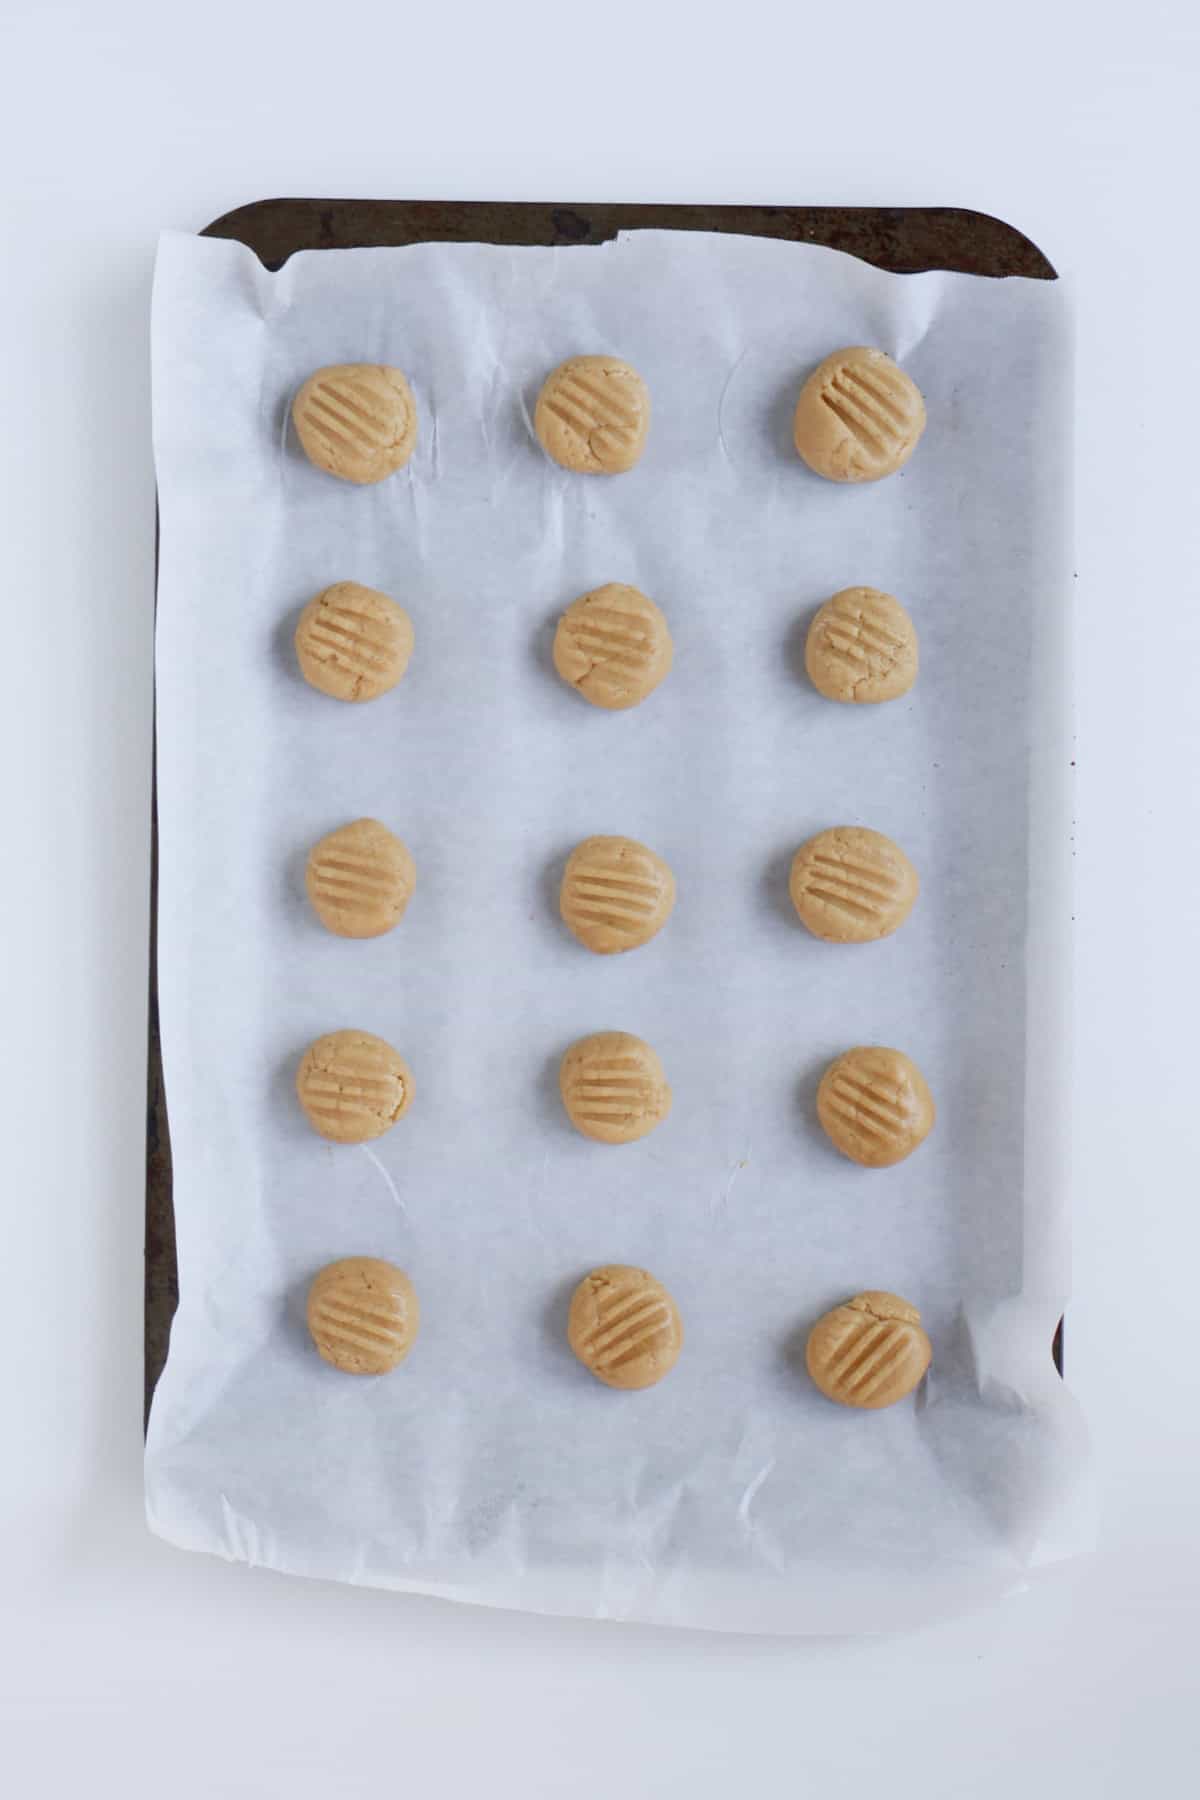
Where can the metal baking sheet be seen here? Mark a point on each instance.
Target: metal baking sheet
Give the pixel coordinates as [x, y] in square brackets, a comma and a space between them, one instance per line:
[902, 239]
[738, 759]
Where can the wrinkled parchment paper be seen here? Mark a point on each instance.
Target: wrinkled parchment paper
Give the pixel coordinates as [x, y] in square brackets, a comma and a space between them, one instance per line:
[491, 1467]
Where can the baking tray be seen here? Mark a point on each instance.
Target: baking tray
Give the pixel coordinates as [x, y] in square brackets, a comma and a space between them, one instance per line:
[904, 240]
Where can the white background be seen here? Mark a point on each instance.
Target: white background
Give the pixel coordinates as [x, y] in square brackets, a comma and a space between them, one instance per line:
[121, 1660]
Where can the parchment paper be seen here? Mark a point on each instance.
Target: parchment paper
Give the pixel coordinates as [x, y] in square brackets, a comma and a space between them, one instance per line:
[491, 1467]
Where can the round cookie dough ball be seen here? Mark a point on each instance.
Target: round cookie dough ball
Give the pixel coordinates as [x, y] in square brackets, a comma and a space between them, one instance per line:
[875, 1105]
[613, 646]
[859, 416]
[624, 1327]
[593, 414]
[353, 642]
[869, 1352]
[851, 886]
[613, 1087]
[359, 879]
[861, 647]
[363, 1315]
[616, 894]
[353, 1086]
[356, 420]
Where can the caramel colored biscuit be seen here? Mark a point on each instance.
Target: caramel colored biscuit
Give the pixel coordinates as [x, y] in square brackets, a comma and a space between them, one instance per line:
[613, 646]
[613, 1087]
[615, 894]
[875, 1106]
[859, 416]
[593, 414]
[862, 646]
[851, 886]
[353, 1086]
[869, 1352]
[363, 1315]
[356, 420]
[624, 1327]
[360, 878]
[352, 642]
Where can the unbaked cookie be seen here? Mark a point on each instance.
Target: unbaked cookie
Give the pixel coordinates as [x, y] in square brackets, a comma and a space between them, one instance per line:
[363, 1315]
[859, 416]
[850, 885]
[869, 1352]
[862, 646]
[356, 420]
[353, 642]
[353, 1086]
[613, 1087]
[624, 1327]
[360, 878]
[613, 646]
[616, 894]
[593, 414]
[875, 1105]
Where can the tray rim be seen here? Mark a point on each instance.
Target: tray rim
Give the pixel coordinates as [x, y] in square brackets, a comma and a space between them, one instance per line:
[572, 222]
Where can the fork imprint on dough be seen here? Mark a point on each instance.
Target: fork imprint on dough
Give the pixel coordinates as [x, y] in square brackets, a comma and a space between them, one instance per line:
[875, 1105]
[614, 1087]
[861, 647]
[869, 1352]
[592, 415]
[616, 894]
[613, 646]
[624, 1326]
[353, 1086]
[859, 416]
[362, 1314]
[850, 885]
[356, 420]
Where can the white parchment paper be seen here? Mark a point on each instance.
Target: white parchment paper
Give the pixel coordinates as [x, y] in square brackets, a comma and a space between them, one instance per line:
[491, 1467]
